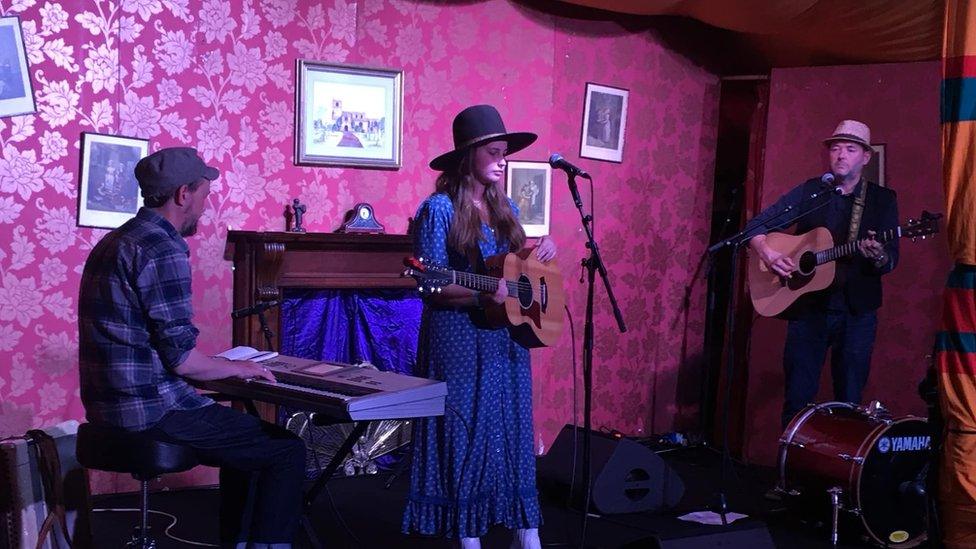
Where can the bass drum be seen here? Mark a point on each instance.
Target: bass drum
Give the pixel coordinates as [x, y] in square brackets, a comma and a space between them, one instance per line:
[879, 462]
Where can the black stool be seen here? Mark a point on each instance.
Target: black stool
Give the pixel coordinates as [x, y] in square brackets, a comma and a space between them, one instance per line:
[113, 449]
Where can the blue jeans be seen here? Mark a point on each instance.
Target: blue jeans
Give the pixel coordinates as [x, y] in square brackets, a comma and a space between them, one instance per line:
[262, 469]
[850, 338]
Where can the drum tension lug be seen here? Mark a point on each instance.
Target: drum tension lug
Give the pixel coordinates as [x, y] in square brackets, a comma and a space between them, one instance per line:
[783, 440]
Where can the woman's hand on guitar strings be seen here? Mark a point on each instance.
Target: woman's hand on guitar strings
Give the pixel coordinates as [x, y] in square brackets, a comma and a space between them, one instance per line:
[500, 293]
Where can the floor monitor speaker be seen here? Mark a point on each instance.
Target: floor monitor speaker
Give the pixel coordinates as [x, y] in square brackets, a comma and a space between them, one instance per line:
[627, 477]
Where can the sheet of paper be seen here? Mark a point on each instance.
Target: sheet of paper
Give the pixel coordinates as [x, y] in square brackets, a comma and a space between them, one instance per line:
[243, 352]
[709, 517]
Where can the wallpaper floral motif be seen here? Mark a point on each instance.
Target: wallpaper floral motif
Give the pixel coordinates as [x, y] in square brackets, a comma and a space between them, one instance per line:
[218, 75]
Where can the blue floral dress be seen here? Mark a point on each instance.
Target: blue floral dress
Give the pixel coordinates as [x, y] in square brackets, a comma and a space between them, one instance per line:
[474, 467]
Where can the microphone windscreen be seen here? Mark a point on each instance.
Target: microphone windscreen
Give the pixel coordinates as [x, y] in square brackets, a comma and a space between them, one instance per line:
[827, 178]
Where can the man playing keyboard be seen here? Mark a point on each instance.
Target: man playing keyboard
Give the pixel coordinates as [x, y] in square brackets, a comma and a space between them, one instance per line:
[137, 350]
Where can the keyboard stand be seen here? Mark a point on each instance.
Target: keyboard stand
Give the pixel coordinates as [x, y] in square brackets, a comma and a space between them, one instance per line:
[313, 493]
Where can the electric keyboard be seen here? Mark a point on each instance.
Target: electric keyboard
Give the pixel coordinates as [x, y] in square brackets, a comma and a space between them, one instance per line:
[341, 391]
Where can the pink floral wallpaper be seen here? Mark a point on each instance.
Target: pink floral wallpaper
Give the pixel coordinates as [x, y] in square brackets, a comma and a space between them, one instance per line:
[900, 103]
[218, 75]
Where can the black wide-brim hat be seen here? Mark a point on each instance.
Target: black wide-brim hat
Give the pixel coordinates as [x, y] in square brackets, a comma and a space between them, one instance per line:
[475, 126]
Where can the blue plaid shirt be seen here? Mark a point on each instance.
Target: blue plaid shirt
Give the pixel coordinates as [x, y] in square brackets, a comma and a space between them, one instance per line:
[135, 325]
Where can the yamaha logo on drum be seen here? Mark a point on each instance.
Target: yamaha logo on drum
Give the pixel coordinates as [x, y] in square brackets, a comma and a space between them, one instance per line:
[903, 444]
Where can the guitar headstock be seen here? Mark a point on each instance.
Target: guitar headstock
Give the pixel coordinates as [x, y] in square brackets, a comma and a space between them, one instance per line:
[924, 226]
[430, 279]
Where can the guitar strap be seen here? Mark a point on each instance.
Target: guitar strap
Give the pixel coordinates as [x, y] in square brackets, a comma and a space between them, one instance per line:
[856, 211]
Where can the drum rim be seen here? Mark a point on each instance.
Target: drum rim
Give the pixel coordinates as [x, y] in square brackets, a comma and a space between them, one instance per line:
[794, 425]
[858, 470]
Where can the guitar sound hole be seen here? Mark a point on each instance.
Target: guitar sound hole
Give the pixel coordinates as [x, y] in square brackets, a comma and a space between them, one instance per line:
[807, 264]
[524, 292]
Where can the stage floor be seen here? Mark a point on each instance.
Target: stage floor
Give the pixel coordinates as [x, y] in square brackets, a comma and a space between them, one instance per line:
[360, 512]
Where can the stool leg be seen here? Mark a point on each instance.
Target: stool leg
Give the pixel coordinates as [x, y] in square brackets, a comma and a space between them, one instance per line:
[141, 538]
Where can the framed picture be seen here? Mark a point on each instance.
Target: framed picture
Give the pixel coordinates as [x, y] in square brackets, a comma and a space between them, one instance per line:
[109, 193]
[348, 115]
[529, 185]
[604, 122]
[875, 169]
[16, 91]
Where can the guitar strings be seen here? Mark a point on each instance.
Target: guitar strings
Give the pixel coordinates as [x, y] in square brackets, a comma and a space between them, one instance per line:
[489, 281]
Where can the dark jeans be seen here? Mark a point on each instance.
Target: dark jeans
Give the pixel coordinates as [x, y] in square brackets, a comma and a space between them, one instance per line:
[262, 469]
[851, 340]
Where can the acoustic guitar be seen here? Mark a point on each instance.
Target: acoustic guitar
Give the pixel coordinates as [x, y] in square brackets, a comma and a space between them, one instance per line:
[814, 254]
[533, 311]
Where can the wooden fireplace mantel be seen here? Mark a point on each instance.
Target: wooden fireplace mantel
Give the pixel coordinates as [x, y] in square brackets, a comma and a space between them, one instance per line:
[267, 262]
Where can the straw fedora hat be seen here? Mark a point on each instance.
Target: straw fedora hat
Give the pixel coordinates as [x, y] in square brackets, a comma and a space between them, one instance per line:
[475, 126]
[853, 131]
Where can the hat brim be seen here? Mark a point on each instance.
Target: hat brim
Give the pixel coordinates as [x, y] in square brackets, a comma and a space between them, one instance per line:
[211, 173]
[516, 142]
[850, 138]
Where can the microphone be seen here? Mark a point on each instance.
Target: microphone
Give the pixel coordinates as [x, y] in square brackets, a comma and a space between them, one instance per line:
[560, 163]
[254, 309]
[827, 180]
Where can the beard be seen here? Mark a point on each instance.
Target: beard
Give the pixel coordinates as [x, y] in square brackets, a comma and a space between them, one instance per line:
[189, 227]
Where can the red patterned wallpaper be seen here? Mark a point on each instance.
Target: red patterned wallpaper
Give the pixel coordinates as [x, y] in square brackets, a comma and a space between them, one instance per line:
[900, 102]
[219, 75]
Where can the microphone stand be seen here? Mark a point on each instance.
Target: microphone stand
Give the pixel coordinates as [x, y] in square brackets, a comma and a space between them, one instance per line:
[735, 242]
[266, 330]
[268, 337]
[593, 264]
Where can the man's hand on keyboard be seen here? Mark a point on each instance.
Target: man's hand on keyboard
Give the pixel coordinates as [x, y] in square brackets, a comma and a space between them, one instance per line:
[253, 370]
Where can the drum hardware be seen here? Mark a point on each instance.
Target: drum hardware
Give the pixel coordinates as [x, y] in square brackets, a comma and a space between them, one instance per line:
[874, 409]
[867, 458]
[835, 493]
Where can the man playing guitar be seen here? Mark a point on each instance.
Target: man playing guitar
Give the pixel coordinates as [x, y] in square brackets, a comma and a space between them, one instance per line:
[842, 317]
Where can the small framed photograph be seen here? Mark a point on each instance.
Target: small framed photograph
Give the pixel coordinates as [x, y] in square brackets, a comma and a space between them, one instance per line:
[529, 185]
[347, 115]
[16, 90]
[109, 193]
[604, 123]
[875, 168]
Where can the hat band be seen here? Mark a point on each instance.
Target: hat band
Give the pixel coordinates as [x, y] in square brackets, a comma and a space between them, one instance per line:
[847, 137]
[470, 142]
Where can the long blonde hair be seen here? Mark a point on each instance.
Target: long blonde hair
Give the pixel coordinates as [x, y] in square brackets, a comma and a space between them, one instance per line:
[465, 232]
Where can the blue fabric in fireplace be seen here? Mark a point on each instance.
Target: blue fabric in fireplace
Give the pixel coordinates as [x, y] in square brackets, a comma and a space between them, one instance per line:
[352, 325]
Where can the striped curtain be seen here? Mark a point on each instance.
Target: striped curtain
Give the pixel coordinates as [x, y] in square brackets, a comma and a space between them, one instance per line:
[956, 341]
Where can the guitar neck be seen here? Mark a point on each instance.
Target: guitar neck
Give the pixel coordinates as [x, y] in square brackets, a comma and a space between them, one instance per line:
[482, 283]
[844, 250]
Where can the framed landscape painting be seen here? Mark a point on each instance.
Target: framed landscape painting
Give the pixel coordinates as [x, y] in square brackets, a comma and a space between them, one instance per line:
[348, 115]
